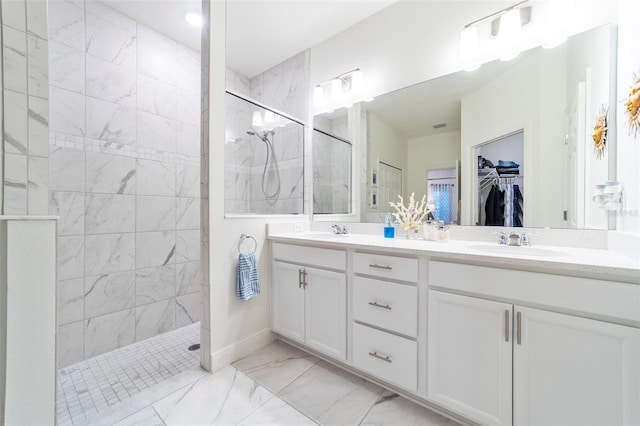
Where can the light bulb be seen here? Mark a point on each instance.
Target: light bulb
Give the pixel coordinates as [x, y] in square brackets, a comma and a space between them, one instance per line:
[336, 89]
[257, 118]
[318, 96]
[269, 116]
[194, 19]
[469, 48]
[357, 81]
[510, 34]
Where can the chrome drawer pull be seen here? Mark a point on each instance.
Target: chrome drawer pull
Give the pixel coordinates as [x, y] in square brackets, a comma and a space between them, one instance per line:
[377, 305]
[376, 355]
[375, 265]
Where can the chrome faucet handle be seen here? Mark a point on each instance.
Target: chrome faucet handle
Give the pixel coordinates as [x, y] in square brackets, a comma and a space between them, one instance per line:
[336, 229]
[345, 230]
[502, 237]
[525, 240]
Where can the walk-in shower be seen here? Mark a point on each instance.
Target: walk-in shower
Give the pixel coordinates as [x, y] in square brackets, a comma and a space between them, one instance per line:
[264, 160]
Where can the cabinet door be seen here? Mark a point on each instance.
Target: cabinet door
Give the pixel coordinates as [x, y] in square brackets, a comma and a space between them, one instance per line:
[287, 316]
[469, 356]
[574, 371]
[326, 328]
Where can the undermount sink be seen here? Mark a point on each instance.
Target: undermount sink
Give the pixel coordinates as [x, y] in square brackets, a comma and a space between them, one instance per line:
[517, 250]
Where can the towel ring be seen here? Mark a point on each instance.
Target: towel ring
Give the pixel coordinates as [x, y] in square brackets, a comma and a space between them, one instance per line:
[245, 237]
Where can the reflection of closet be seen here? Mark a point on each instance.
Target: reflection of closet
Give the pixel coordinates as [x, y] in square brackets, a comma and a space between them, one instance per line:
[503, 186]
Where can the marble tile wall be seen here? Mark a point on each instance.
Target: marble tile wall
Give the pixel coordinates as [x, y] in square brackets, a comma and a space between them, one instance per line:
[124, 177]
[26, 110]
[283, 88]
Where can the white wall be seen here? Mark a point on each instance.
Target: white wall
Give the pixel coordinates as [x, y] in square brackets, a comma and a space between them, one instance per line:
[428, 153]
[386, 145]
[628, 147]
[236, 327]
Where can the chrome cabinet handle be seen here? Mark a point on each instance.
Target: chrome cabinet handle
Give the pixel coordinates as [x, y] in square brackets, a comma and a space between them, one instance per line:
[506, 325]
[519, 327]
[382, 357]
[304, 279]
[378, 305]
[299, 278]
[375, 265]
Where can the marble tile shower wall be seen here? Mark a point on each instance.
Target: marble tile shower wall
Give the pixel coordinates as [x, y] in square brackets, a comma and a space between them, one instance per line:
[331, 166]
[26, 107]
[284, 88]
[124, 179]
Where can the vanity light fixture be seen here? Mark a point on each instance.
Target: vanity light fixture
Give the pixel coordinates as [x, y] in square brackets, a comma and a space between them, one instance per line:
[342, 91]
[194, 19]
[506, 25]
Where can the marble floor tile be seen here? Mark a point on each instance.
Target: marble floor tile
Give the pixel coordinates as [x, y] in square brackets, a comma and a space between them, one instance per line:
[146, 417]
[331, 396]
[392, 409]
[277, 412]
[223, 398]
[276, 365]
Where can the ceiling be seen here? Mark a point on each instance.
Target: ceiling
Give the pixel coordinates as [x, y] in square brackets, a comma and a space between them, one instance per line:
[260, 33]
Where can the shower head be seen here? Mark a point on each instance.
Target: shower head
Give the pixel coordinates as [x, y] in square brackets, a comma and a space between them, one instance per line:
[253, 132]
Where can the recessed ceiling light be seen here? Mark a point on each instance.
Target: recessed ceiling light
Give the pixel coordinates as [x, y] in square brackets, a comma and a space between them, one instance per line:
[194, 19]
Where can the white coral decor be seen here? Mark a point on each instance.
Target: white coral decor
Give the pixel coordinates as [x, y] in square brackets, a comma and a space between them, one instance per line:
[412, 215]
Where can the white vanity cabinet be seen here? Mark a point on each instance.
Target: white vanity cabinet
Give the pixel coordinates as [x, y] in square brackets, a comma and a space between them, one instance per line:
[558, 369]
[309, 303]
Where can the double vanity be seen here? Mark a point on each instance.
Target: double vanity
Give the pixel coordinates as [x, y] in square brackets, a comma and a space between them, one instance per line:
[484, 333]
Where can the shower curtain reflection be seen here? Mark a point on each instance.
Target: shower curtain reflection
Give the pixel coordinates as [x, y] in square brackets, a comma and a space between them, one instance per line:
[264, 160]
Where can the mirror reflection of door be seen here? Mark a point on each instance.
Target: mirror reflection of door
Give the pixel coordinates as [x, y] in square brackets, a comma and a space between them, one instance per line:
[389, 185]
[574, 161]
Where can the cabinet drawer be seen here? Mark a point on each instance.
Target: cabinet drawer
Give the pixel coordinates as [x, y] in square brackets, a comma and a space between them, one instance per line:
[380, 265]
[325, 258]
[387, 305]
[390, 357]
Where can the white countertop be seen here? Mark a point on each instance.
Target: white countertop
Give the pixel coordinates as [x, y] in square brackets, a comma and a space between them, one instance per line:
[587, 263]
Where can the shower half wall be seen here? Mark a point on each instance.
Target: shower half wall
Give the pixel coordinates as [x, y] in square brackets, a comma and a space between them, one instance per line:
[124, 179]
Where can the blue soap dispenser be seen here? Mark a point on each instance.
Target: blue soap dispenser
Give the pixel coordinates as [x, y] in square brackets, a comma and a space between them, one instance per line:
[389, 230]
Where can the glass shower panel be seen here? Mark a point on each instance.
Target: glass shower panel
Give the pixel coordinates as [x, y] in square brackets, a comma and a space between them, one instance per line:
[331, 174]
[264, 160]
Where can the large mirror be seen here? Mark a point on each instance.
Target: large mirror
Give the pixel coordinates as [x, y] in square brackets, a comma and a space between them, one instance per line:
[525, 124]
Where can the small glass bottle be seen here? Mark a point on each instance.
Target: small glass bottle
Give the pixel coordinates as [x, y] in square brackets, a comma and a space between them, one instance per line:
[389, 230]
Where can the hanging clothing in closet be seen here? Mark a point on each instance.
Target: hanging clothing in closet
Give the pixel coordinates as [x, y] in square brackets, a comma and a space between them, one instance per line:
[503, 206]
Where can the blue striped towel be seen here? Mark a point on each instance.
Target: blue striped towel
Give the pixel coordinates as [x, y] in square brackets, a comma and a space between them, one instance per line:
[247, 285]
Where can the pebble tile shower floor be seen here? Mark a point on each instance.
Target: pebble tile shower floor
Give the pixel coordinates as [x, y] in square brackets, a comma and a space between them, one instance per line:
[98, 383]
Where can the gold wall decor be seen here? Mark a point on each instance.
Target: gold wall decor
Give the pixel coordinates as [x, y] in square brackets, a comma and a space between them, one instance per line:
[632, 106]
[600, 132]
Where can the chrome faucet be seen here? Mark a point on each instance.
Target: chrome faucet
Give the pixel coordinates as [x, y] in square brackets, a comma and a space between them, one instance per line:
[340, 230]
[502, 237]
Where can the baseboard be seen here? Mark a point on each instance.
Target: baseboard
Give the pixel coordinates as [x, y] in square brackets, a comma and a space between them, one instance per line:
[241, 349]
